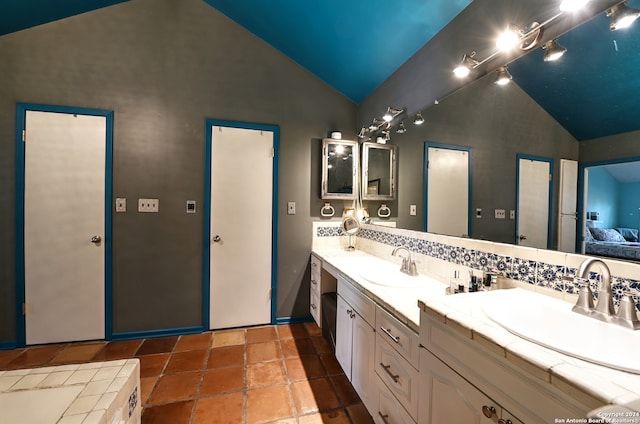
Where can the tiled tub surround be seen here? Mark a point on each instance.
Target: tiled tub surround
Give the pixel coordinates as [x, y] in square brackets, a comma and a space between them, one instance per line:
[91, 393]
[590, 384]
[546, 271]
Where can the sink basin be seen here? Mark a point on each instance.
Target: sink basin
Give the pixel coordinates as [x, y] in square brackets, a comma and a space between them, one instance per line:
[390, 277]
[551, 323]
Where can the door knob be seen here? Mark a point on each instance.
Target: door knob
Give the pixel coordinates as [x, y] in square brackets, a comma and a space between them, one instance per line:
[216, 239]
[96, 239]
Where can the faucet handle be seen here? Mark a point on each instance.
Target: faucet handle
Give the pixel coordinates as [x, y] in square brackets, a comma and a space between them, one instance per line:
[585, 296]
[627, 313]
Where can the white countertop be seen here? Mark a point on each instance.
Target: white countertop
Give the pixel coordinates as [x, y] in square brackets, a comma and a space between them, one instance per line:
[596, 384]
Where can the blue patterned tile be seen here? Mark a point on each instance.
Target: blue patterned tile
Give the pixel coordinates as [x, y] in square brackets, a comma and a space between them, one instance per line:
[524, 270]
[468, 258]
[550, 276]
[441, 251]
[502, 264]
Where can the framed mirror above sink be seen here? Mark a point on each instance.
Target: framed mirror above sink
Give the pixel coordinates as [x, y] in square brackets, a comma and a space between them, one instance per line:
[339, 169]
[378, 171]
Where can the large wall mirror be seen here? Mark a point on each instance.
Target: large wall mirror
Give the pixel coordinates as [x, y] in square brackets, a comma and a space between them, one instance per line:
[378, 171]
[558, 110]
[339, 169]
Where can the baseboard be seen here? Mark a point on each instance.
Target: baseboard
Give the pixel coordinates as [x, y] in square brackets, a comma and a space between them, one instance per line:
[294, 320]
[9, 344]
[157, 333]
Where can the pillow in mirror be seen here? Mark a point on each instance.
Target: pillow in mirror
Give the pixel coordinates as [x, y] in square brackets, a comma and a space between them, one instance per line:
[629, 234]
[606, 234]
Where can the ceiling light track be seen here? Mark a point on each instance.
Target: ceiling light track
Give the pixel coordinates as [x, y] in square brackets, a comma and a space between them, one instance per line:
[381, 126]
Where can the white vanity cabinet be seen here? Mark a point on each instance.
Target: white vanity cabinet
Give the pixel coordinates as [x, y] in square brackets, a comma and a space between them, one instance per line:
[355, 341]
[448, 398]
[462, 372]
[321, 282]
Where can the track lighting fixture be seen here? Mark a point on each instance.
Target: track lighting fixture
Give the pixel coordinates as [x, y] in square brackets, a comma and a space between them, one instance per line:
[383, 138]
[418, 119]
[553, 50]
[572, 5]
[391, 113]
[509, 38]
[362, 133]
[376, 124]
[467, 64]
[503, 76]
[401, 128]
[622, 16]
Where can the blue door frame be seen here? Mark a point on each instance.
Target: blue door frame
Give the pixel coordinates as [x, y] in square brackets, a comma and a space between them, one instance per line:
[425, 173]
[206, 292]
[21, 114]
[550, 213]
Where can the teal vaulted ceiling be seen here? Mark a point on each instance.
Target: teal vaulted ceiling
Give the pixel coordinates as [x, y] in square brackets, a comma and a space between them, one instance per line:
[353, 45]
[16, 15]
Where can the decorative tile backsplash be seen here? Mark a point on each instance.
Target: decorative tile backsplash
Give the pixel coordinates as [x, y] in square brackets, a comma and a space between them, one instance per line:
[519, 265]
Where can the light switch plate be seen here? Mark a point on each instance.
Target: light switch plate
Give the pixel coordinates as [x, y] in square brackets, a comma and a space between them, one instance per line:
[512, 214]
[478, 213]
[291, 208]
[121, 204]
[413, 210]
[500, 214]
[148, 205]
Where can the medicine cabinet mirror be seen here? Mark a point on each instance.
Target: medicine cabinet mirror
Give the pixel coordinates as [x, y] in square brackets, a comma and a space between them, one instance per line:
[339, 169]
[378, 171]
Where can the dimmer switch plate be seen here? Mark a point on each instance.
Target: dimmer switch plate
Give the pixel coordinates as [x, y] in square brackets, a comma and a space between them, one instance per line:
[191, 206]
[478, 213]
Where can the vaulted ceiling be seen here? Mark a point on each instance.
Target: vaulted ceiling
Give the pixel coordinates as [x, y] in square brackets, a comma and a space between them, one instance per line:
[355, 45]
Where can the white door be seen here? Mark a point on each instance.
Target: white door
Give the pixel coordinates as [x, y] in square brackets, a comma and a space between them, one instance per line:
[241, 226]
[534, 177]
[64, 216]
[568, 201]
[448, 191]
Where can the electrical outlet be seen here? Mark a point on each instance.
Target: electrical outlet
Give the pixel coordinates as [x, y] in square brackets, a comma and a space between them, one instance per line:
[291, 208]
[478, 213]
[413, 210]
[148, 205]
[121, 204]
[500, 214]
[512, 214]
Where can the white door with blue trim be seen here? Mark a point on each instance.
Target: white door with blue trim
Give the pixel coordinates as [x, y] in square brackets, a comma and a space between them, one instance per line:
[241, 226]
[64, 224]
[533, 202]
[448, 191]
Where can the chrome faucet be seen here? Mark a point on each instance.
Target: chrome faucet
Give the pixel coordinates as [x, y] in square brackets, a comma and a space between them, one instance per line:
[408, 265]
[604, 310]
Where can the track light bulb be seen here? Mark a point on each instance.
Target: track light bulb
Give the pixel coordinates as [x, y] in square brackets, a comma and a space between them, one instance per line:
[553, 51]
[572, 5]
[418, 120]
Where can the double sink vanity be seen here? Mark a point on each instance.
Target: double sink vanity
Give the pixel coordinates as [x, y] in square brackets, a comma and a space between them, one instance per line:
[417, 355]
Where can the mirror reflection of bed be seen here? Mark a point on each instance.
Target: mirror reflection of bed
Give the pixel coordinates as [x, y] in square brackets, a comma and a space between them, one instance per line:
[612, 205]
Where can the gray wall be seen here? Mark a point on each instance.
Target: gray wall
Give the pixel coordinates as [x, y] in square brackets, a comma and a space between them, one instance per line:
[164, 66]
[618, 146]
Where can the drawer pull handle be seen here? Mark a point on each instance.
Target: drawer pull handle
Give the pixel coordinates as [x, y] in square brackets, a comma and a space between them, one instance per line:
[313, 306]
[385, 417]
[488, 411]
[351, 313]
[387, 331]
[395, 377]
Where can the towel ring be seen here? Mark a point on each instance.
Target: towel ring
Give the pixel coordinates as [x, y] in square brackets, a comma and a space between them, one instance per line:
[327, 210]
[384, 211]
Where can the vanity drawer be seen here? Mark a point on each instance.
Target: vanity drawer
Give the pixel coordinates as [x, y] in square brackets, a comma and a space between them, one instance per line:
[316, 274]
[389, 409]
[398, 335]
[314, 307]
[358, 301]
[399, 376]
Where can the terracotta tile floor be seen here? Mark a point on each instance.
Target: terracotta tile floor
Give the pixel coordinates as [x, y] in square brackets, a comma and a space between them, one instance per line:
[271, 374]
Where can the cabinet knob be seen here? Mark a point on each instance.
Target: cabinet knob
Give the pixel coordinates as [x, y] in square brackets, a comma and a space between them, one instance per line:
[503, 421]
[313, 281]
[488, 411]
[313, 306]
